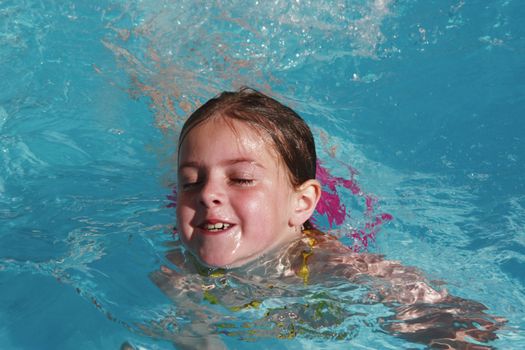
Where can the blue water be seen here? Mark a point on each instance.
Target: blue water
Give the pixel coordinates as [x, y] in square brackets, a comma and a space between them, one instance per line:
[424, 98]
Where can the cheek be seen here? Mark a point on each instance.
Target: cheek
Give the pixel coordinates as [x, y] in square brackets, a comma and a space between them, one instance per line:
[261, 207]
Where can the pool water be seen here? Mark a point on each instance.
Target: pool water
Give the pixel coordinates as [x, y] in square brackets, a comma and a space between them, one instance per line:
[422, 101]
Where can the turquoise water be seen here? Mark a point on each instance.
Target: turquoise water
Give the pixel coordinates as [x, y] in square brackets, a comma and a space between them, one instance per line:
[423, 98]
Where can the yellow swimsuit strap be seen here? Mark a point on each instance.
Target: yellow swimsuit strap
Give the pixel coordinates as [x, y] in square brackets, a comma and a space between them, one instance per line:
[311, 238]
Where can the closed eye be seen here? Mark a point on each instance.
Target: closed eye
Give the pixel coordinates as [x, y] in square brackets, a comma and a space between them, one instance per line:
[243, 182]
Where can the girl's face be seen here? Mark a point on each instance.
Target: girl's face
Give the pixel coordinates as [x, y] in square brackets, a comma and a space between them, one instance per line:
[235, 200]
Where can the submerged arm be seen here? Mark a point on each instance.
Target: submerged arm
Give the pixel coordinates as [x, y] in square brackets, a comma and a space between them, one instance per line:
[426, 315]
[453, 323]
[423, 314]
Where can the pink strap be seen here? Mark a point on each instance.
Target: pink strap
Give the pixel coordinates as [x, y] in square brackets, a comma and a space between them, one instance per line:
[336, 213]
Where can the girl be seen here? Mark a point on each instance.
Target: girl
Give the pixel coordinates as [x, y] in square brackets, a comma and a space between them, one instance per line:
[246, 191]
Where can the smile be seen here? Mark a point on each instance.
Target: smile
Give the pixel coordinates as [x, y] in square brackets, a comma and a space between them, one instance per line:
[220, 226]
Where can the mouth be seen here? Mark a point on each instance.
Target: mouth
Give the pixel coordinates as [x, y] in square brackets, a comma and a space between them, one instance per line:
[217, 227]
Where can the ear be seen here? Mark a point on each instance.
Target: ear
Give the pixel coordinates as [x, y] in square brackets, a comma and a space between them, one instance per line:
[306, 198]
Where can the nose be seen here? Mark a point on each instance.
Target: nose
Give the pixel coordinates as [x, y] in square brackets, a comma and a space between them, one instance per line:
[212, 193]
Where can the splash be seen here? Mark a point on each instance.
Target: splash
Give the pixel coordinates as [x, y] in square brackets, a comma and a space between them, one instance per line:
[178, 55]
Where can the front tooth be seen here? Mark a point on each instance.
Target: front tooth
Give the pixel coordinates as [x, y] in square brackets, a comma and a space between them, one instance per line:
[218, 226]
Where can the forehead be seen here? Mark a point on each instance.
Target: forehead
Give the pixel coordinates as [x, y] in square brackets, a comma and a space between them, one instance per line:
[227, 135]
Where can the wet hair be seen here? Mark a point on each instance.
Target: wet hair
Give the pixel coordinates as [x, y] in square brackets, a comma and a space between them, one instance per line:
[291, 137]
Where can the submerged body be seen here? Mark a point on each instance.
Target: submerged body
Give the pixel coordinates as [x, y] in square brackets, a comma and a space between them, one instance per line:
[311, 288]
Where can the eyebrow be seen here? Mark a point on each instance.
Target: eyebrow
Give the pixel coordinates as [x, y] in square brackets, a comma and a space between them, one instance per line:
[226, 162]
